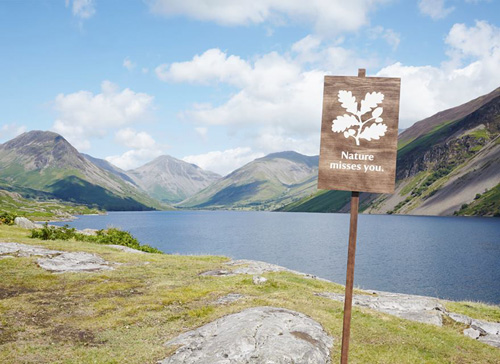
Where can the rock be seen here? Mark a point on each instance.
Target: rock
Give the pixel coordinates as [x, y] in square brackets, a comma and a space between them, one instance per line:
[227, 299]
[472, 333]
[484, 331]
[244, 266]
[26, 223]
[23, 250]
[256, 335]
[126, 249]
[259, 280]
[415, 308]
[217, 273]
[91, 232]
[74, 262]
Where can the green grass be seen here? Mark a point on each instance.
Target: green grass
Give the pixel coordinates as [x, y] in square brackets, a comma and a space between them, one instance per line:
[126, 315]
[322, 201]
[41, 208]
[486, 204]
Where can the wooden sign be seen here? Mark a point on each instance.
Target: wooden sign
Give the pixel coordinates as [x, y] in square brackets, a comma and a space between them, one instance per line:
[359, 132]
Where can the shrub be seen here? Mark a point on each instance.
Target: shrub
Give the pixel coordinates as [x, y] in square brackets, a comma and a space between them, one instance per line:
[7, 218]
[109, 236]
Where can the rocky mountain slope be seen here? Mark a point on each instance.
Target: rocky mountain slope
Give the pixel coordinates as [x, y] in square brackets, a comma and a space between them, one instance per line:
[44, 161]
[265, 183]
[171, 180]
[447, 164]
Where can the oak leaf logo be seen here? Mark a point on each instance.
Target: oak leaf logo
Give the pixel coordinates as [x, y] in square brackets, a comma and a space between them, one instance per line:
[352, 124]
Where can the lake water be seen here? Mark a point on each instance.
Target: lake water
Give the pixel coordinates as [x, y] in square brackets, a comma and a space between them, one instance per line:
[448, 257]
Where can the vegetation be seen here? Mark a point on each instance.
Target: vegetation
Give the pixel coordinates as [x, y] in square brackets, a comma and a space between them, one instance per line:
[322, 201]
[127, 314]
[39, 207]
[7, 218]
[486, 204]
[108, 236]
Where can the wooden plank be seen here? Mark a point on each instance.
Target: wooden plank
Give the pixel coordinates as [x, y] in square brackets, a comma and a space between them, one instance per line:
[364, 159]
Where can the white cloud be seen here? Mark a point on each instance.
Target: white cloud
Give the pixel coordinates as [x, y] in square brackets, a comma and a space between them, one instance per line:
[390, 36]
[202, 132]
[143, 149]
[212, 66]
[83, 9]
[9, 131]
[128, 64]
[436, 9]
[471, 72]
[327, 16]
[224, 162]
[82, 114]
[272, 90]
[481, 41]
[133, 158]
[133, 139]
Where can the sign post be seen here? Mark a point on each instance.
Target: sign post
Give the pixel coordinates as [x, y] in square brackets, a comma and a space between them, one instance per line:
[359, 131]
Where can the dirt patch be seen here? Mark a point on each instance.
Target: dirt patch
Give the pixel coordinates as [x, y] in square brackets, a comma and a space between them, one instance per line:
[68, 334]
[13, 292]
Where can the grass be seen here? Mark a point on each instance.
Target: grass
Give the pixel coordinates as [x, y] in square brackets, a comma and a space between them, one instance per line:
[486, 204]
[126, 315]
[41, 209]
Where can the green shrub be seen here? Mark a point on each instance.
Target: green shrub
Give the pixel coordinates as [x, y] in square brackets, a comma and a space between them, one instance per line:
[109, 236]
[7, 218]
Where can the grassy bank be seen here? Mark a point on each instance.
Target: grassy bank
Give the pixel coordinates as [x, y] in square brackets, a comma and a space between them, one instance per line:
[126, 315]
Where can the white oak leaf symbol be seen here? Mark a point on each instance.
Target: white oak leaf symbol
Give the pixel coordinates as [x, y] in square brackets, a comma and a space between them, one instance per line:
[348, 101]
[370, 101]
[374, 131]
[343, 122]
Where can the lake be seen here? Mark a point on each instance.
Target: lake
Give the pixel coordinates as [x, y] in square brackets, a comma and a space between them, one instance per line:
[448, 257]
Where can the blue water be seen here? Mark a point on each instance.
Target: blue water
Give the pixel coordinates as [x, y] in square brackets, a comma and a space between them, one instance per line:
[448, 257]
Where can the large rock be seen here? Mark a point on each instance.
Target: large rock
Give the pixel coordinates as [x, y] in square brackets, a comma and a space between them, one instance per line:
[26, 223]
[484, 331]
[256, 335]
[23, 250]
[126, 249]
[415, 308]
[74, 262]
[56, 260]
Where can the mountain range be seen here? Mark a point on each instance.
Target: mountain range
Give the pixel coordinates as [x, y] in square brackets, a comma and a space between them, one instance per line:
[447, 164]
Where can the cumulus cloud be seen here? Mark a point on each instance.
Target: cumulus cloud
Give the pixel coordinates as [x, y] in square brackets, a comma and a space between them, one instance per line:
[327, 16]
[82, 115]
[143, 149]
[82, 9]
[9, 131]
[224, 162]
[128, 64]
[390, 36]
[471, 71]
[436, 9]
[272, 89]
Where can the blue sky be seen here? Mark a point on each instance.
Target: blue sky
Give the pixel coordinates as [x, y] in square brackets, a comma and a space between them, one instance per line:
[221, 82]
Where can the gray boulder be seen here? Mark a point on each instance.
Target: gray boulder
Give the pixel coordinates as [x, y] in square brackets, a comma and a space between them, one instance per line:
[253, 336]
[26, 223]
[23, 250]
[126, 249]
[74, 262]
[410, 307]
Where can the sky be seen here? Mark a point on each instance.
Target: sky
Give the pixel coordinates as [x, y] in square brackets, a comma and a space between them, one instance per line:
[219, 83]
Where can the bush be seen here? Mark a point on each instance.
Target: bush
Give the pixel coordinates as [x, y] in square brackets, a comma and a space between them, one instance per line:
[53, 232]
[109, 236]
[7, 218]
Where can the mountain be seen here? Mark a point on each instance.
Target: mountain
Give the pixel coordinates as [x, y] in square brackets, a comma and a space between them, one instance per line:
[44, 161]
[171, 180]
[265, 183]
[104, 164]
[447, 164]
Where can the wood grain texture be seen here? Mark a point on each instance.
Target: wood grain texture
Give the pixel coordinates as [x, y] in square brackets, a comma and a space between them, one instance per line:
[383, 149]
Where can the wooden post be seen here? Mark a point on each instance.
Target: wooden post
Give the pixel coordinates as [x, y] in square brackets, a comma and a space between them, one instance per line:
[351, 257]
